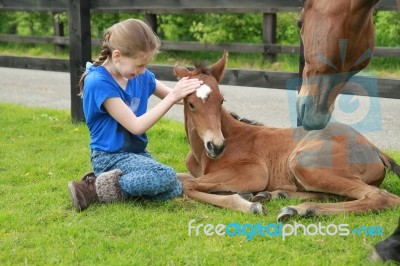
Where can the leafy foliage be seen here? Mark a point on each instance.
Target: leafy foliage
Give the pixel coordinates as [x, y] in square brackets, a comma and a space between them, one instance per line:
[287, 31]
[27, 23]
[206, 28]
[225, 28]
[176, 27]
[387, 26]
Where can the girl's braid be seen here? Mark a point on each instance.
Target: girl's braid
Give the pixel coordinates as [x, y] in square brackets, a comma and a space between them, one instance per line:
[105, 50]
[104, 54]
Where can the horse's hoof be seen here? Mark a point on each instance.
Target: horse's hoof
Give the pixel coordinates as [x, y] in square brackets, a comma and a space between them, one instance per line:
[286, 213]
[261, 197]
[283, 195]
[257, 208]
[246, 196]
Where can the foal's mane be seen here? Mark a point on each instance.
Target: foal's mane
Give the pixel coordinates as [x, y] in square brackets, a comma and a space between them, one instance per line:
[201, 68]
[245, 120]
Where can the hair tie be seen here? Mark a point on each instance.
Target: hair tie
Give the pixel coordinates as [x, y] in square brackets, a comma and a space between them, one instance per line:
[89, 66]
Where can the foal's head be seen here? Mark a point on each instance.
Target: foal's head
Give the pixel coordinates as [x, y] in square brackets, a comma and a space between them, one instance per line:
[338, 38]
[203, 107]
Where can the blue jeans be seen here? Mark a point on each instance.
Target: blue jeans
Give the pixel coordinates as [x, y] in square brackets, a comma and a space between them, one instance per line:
[142, 175]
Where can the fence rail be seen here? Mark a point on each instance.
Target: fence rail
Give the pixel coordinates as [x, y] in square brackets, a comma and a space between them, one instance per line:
[170, 6]
[194, 46]
[388, 88]
[80, 41]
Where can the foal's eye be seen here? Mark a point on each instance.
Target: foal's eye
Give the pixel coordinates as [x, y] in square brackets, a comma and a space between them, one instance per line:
[191, 106]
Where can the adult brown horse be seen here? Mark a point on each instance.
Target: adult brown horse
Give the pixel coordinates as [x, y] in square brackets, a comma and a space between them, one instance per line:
[230, 156]
[338, 38]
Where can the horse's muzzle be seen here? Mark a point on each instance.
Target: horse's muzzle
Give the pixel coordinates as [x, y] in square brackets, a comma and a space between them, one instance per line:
[309, 116]
[213, 150]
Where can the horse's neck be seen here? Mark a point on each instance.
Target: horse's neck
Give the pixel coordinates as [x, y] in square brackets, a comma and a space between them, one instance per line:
[361, 15]
[363, 4]
[229, 125]
[272, 144]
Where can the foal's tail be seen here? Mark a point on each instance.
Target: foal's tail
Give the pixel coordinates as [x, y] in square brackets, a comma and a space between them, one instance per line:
[389, 163]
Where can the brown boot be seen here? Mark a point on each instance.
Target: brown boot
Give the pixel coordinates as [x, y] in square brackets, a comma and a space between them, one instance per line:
[83, 193]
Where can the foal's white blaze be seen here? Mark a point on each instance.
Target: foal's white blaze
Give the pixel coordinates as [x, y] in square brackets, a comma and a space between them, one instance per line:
[203, 91]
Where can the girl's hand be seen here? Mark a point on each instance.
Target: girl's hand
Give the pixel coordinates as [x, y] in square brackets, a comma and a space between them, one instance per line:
[139, 125]
[184, 87]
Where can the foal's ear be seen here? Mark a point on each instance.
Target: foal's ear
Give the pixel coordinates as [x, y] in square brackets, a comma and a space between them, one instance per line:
[217, 70]
[181, 72]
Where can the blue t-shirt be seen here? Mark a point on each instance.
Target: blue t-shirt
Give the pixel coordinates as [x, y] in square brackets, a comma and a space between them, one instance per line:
[106, 133]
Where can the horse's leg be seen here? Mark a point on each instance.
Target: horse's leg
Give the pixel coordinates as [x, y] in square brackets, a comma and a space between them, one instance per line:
[241, 178]
[340, 181]
[288, 194]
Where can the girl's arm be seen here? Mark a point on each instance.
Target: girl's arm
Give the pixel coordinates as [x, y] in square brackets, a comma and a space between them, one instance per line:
[162, 90]
[139, 125]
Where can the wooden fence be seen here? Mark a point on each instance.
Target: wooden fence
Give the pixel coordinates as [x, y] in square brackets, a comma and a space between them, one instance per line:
[80, 41]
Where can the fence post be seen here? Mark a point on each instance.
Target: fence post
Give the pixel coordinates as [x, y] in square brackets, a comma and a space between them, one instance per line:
[58, 26]
[269, 34]
[80, 50]
[151, 20]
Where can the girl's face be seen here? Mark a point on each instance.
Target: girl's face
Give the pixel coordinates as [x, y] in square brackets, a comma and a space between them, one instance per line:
[129, 67]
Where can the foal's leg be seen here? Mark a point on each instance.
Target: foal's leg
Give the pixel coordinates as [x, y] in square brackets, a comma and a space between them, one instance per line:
[193, 165]
[184, 176]
[241, 178]
[342, 182]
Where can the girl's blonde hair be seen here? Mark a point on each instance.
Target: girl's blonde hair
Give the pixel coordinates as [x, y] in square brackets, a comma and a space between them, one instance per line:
[132, 37]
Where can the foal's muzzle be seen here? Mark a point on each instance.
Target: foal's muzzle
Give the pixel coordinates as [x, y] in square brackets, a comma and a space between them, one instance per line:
[214, 151]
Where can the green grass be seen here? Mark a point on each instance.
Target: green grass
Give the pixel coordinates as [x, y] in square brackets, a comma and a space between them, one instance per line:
[41, 150]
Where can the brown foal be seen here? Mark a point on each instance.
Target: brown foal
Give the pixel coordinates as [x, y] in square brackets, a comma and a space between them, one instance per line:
[229, 159]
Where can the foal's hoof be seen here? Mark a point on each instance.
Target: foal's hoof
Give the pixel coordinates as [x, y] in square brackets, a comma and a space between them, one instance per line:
[257, 208]
[246, 196]
[286, 213]
[261, 197]
[283, 195]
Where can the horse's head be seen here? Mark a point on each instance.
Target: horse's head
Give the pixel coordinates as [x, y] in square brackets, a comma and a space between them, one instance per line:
[338, 38]
[203, 108]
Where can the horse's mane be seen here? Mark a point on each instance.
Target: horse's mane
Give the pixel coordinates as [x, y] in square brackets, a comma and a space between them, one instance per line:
[201, 68]
[245, 120]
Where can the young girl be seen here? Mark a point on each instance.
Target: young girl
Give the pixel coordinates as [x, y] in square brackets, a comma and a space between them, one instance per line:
[115, 91]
